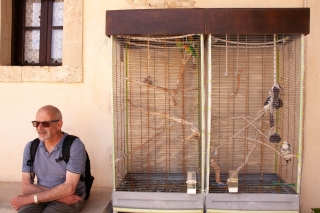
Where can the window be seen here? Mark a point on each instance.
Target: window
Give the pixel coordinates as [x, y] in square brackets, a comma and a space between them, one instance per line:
[38, 30]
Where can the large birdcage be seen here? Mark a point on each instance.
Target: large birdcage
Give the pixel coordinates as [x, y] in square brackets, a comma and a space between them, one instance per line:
[209, 121]
[157, 115]
[255, 118]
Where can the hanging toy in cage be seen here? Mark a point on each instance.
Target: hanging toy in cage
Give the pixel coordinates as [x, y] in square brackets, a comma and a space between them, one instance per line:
[276, 91]
[148, 80]
[274, 101]
[274, 138]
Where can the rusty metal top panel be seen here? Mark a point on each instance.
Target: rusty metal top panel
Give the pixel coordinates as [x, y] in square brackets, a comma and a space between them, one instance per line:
[258, 20]
[155, 21]
[210, 20]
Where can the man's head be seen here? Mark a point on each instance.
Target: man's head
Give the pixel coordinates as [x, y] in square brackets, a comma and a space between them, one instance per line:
[48, 122]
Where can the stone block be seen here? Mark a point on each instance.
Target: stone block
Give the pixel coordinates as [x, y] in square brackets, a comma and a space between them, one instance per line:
[72, 30]
[10, 74]
[72, 53]
[73, 9]
[52, 74]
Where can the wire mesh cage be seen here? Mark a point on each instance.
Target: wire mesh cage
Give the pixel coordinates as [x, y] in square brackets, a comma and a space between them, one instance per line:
[255, 112]
[157, 112]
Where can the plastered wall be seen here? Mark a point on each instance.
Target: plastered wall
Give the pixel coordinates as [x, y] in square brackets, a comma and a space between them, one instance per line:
[81, 88]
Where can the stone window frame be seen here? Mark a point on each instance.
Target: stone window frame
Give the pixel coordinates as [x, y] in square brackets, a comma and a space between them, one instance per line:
[71, 70]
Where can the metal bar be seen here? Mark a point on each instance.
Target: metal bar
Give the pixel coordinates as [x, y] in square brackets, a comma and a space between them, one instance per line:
[203, 117]
[244, 211]
[119, 209]
[113, 130]
[208, 132]
[301, 114]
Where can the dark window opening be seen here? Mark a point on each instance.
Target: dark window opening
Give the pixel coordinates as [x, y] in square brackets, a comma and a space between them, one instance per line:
[38, 32]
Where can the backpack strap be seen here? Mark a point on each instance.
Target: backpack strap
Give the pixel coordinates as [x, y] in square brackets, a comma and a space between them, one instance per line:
[33, 151]
[66, 148]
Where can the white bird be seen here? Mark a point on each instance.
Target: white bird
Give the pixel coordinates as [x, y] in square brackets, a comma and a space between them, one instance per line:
[285, 149]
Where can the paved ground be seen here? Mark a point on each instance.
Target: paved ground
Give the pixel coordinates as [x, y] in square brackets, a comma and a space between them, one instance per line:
[97, 203]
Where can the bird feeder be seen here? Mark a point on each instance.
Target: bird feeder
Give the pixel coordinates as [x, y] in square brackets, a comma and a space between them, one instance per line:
[233, 181]
[191, 182]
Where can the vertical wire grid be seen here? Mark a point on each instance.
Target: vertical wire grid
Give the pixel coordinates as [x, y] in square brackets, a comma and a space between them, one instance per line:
[240, 133]
[160, 93]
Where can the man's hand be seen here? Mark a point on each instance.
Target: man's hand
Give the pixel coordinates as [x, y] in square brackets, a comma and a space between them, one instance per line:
[71, 199]
[21, 200]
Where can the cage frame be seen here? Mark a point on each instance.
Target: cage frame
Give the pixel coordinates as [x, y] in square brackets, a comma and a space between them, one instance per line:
[208, 21]
[142, 201]
[216, 202]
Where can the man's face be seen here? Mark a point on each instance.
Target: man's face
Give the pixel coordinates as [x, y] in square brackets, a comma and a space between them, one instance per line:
[47, 133]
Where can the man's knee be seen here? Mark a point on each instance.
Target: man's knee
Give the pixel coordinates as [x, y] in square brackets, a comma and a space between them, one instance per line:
[58, 207]
[32, 208]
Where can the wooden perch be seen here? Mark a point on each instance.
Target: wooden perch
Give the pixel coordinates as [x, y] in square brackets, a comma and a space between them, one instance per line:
[249, 124]
[247, 157]
[252, 149]
[285, 157]
[182, 68]
[150, 139]
[216, 170]
[139, 147]
[238, 83]
[170, 91]
[194, 129]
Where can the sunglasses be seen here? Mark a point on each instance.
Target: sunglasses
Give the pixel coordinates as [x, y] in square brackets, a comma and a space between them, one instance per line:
[43, 123]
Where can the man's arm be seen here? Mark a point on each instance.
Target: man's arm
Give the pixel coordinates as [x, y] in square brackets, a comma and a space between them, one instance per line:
[60, 192]
[28, 187]
[63, 190]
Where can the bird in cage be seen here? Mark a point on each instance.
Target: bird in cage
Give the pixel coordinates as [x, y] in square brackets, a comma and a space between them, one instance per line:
[277, 102]
[179, 43]
[189, 49]
[148, 80]
[273, 102]
[267, 103]
[285, 149]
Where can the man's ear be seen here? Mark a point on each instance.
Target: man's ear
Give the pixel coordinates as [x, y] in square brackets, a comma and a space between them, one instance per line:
[60, 124]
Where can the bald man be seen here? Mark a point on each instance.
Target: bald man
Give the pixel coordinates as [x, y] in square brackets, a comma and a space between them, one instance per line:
[58, 187]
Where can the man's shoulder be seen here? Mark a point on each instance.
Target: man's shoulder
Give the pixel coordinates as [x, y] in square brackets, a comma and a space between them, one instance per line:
[76, 142]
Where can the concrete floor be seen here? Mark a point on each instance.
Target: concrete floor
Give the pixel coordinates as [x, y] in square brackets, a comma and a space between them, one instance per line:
[99, 201]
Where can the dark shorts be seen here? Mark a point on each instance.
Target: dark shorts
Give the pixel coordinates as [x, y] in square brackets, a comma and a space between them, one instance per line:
[52, 207]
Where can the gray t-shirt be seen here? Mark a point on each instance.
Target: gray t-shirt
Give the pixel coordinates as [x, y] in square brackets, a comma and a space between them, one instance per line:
[51, 173]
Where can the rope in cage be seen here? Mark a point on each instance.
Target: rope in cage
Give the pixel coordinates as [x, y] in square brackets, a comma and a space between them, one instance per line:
[244, 45]
[252, 44]
[148, 80]
[274, 101]
[158, 39]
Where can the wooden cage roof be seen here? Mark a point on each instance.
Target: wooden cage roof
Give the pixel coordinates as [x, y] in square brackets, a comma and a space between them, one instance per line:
[208, 21]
